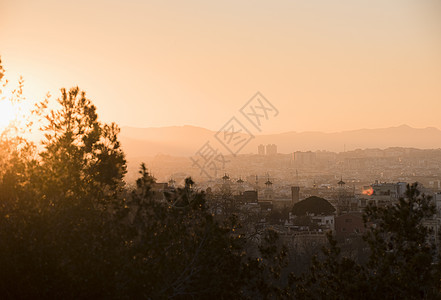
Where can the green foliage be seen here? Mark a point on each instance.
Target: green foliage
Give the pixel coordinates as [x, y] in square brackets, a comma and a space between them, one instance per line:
[334, 277]
[402, 262]
[55, 235]
[82, 156]
[179, 251]
[69, 228]
[402, 257]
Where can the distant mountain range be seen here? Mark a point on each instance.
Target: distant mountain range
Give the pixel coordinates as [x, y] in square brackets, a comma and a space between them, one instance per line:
[186, 140]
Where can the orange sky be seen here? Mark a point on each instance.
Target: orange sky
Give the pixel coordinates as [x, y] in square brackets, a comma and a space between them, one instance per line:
[326, 65]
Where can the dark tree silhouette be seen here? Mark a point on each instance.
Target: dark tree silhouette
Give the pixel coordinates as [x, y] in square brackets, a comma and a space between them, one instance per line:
[70, 229]
[403, 263]
[82, 156]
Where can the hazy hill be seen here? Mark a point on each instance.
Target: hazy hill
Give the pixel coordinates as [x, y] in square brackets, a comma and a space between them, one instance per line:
[186, 140]
[174, 140]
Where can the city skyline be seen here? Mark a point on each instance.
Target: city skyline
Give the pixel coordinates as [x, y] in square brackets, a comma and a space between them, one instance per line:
[228, 149]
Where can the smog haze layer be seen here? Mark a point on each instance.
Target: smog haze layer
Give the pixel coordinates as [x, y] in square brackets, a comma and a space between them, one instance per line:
[327, 66]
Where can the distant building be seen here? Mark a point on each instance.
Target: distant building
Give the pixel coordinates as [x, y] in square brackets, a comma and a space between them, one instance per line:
[324, 221]
[394, 190]
[239, 186]
[313, 206]
[271, 149]
[295, 194]
[349, 224]
[261, 149]
[282, 204]
[268, 192]
[249, 197]
[325, 157]
[386, 193]
[304, 158]
[344, 198]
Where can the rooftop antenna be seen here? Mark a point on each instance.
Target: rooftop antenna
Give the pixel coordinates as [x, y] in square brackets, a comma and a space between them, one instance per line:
[257, 183]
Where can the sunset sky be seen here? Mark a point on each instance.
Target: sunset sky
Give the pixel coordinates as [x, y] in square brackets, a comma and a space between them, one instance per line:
[326, 65]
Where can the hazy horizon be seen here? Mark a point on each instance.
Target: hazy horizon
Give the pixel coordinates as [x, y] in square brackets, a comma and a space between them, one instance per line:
[175, 141]
[285, 131]
[326, 65]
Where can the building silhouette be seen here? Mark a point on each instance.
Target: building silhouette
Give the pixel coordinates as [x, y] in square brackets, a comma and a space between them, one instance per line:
[271, 149]
[295, 194]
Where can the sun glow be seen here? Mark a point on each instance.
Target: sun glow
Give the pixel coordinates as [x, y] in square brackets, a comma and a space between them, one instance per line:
[7, 113]
[368, 192]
